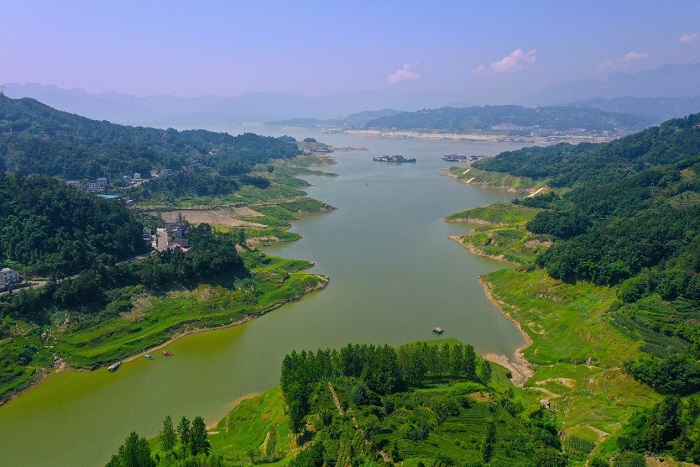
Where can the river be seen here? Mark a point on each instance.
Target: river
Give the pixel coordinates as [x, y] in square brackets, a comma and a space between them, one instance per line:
[394, 276]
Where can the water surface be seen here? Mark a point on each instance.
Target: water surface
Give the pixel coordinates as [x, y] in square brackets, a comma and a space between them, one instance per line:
[394, 276]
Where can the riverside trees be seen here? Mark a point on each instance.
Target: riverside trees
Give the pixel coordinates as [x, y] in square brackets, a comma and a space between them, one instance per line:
[383, 369]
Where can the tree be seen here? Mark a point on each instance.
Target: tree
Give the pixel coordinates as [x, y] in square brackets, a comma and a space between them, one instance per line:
[168, 438]
[486, 371]
[241, 237]
[184, 431]
[489, 445]
[133, 453]
[198, 437]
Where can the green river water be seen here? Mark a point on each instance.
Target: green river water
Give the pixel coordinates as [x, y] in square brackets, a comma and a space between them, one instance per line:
[394, 276]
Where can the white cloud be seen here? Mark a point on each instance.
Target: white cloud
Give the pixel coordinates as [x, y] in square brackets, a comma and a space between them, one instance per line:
[633, 56]
[479, 70]
[625, 62]
[403, 74]
[517, 60]
[687, 37]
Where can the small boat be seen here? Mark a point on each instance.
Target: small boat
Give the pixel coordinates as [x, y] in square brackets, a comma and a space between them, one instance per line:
[438, 330]
[114, 366]
[167, 353]
[149, 356]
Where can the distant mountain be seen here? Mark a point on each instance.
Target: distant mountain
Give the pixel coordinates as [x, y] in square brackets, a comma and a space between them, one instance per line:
[216, 112]
[513, 119]
[667, 81]
[356, 120]
[659, 108]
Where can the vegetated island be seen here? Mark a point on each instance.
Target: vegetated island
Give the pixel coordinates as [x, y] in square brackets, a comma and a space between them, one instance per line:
[84, 244]
[605, 284]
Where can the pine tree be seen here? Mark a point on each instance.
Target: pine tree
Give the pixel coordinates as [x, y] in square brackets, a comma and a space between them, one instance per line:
[133, 453]
[489, 442]
[486, 372]
[198, 437]
[184, 432]
[168, 438]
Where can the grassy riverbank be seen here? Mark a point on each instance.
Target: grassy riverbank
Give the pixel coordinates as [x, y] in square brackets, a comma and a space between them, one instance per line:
[157, 318]
[576, 353]
[499, 233]
[121, 318]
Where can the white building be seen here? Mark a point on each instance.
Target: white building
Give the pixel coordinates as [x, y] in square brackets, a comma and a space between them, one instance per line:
[9, 276]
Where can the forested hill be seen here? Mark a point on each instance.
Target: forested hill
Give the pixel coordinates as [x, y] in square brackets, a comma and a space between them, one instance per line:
[513, 119]
[629, 219]
[37, 139]
[568, 165]
[48, 227]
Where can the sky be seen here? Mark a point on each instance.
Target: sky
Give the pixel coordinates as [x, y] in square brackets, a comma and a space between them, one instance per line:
[470, 50]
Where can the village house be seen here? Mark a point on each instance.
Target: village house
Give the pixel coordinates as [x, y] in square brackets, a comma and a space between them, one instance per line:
[8, 277]
[94, 187]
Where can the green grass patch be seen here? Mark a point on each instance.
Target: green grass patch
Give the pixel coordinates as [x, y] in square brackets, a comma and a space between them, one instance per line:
[495, 214]
[577, 352]
[495, 179]
[244, 434]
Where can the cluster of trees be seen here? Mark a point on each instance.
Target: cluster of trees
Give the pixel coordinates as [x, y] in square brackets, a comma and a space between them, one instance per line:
[383, 369]
[561, 118]
[186, 445]
[37, 139]
[670, 427]
[184, 184]
[373, 386]
[50, 228]
[211, 254]
[566, 165]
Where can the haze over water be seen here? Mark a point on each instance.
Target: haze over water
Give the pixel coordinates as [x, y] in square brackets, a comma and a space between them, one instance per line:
[394, 276]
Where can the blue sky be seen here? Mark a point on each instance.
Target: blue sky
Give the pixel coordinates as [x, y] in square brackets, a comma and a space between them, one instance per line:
[464, 49]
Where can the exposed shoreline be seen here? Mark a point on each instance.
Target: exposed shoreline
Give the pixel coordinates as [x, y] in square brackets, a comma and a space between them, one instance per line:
[519, 366]
[476, 252]
[492, 137]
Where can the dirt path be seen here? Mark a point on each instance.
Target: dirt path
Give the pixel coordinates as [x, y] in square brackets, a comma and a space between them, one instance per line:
[335, 399]
[536, 192]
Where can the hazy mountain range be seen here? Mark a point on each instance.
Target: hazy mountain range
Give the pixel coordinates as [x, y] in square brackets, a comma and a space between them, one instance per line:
[662, 93]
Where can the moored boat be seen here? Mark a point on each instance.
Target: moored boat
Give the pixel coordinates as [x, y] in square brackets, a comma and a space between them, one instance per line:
[398, 159]
[438, 330]
[149, 356]
[114, 366]
[167, 353]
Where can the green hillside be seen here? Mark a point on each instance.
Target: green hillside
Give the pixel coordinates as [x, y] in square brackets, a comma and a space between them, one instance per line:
[37, 139]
